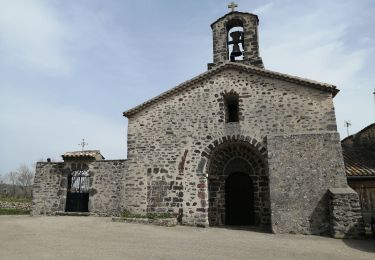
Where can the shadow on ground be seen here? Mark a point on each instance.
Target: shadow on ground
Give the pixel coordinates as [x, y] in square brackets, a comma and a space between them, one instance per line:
[246, 228]
[366, 245]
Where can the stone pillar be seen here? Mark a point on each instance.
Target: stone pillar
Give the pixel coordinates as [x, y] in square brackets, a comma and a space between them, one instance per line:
[345, 214]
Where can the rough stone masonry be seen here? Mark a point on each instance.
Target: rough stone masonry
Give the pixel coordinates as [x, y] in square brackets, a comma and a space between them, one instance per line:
[236, 145]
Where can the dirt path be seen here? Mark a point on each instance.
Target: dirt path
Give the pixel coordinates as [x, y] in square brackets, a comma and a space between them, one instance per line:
[23, 237]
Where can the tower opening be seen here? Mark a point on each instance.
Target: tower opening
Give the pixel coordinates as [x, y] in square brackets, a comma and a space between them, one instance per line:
[235, 40]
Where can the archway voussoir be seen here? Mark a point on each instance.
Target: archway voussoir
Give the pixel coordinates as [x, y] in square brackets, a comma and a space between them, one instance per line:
[235, 154]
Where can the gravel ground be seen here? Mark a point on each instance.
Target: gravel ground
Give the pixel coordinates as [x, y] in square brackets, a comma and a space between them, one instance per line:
[24, 237]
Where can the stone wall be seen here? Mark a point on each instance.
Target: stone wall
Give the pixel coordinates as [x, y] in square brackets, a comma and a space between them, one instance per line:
[105, 188]
[345, 214]
[166, 168]
[302, 167]
[15, 205]
[49, 191]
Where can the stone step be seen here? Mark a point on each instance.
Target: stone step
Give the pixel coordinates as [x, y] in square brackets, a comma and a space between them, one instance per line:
[77, 214]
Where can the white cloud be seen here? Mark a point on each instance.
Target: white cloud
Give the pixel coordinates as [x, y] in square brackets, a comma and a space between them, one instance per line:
[31, 36]
[324, 42]
[35, 128]
[263, 8]
[311, 51]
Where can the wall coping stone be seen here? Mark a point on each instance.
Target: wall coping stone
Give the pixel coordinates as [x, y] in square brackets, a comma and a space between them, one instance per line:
[338, 191]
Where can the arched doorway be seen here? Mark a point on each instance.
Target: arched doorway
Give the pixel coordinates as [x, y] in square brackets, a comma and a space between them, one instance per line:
[239, 200]
[238, 185]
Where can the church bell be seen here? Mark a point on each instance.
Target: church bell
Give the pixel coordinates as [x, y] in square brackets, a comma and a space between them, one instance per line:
[237, 38]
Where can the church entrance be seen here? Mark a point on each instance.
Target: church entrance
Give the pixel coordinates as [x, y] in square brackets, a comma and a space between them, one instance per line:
[238, 186]
[77, 197]
[239, 200]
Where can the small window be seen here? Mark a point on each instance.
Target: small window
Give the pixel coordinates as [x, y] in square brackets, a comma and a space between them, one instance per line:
[231, 107]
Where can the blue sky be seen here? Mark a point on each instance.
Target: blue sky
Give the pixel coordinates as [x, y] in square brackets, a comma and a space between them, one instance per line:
[68, 69]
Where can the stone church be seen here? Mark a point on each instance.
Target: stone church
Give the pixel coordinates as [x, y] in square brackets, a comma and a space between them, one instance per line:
[236, 145]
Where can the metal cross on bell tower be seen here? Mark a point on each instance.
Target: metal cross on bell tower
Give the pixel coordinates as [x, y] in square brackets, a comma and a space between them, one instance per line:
[232, 6]
[83, 144]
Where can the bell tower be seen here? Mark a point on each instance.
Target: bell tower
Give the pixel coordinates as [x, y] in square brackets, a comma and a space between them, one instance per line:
[235, 39]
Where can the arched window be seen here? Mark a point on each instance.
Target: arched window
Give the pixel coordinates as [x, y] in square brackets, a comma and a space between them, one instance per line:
[231, 107]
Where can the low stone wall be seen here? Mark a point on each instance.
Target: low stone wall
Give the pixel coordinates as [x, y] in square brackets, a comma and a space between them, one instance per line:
[15, 205]
[105, 186]
[345, 214]
[167, 222]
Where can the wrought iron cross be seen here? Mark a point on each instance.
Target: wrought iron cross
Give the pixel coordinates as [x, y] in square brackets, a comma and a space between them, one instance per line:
[83, 144]
[232, 6]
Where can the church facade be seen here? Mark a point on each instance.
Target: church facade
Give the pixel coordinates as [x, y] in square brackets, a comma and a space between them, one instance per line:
[236, 145]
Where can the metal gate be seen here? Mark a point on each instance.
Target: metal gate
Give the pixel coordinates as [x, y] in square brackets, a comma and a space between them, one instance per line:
[77, 198]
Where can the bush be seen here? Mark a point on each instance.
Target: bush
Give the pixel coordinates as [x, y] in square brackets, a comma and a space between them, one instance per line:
[14, 211]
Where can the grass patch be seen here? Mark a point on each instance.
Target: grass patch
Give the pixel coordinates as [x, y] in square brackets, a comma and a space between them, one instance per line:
[14, 211]
[15, 199]
[127, 214]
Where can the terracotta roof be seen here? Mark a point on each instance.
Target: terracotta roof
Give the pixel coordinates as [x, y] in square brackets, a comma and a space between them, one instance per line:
[232, 65]
[359, 161]
[93, 154]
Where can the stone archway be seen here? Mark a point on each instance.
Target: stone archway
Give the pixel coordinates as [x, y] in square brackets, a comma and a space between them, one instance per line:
[245, 157]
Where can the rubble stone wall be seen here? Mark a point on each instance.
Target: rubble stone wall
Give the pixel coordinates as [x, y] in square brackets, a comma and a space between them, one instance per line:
[345, 214]
[302, 168]
[166, 168]
[105, 186]
[15, 205]
[48, 194]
